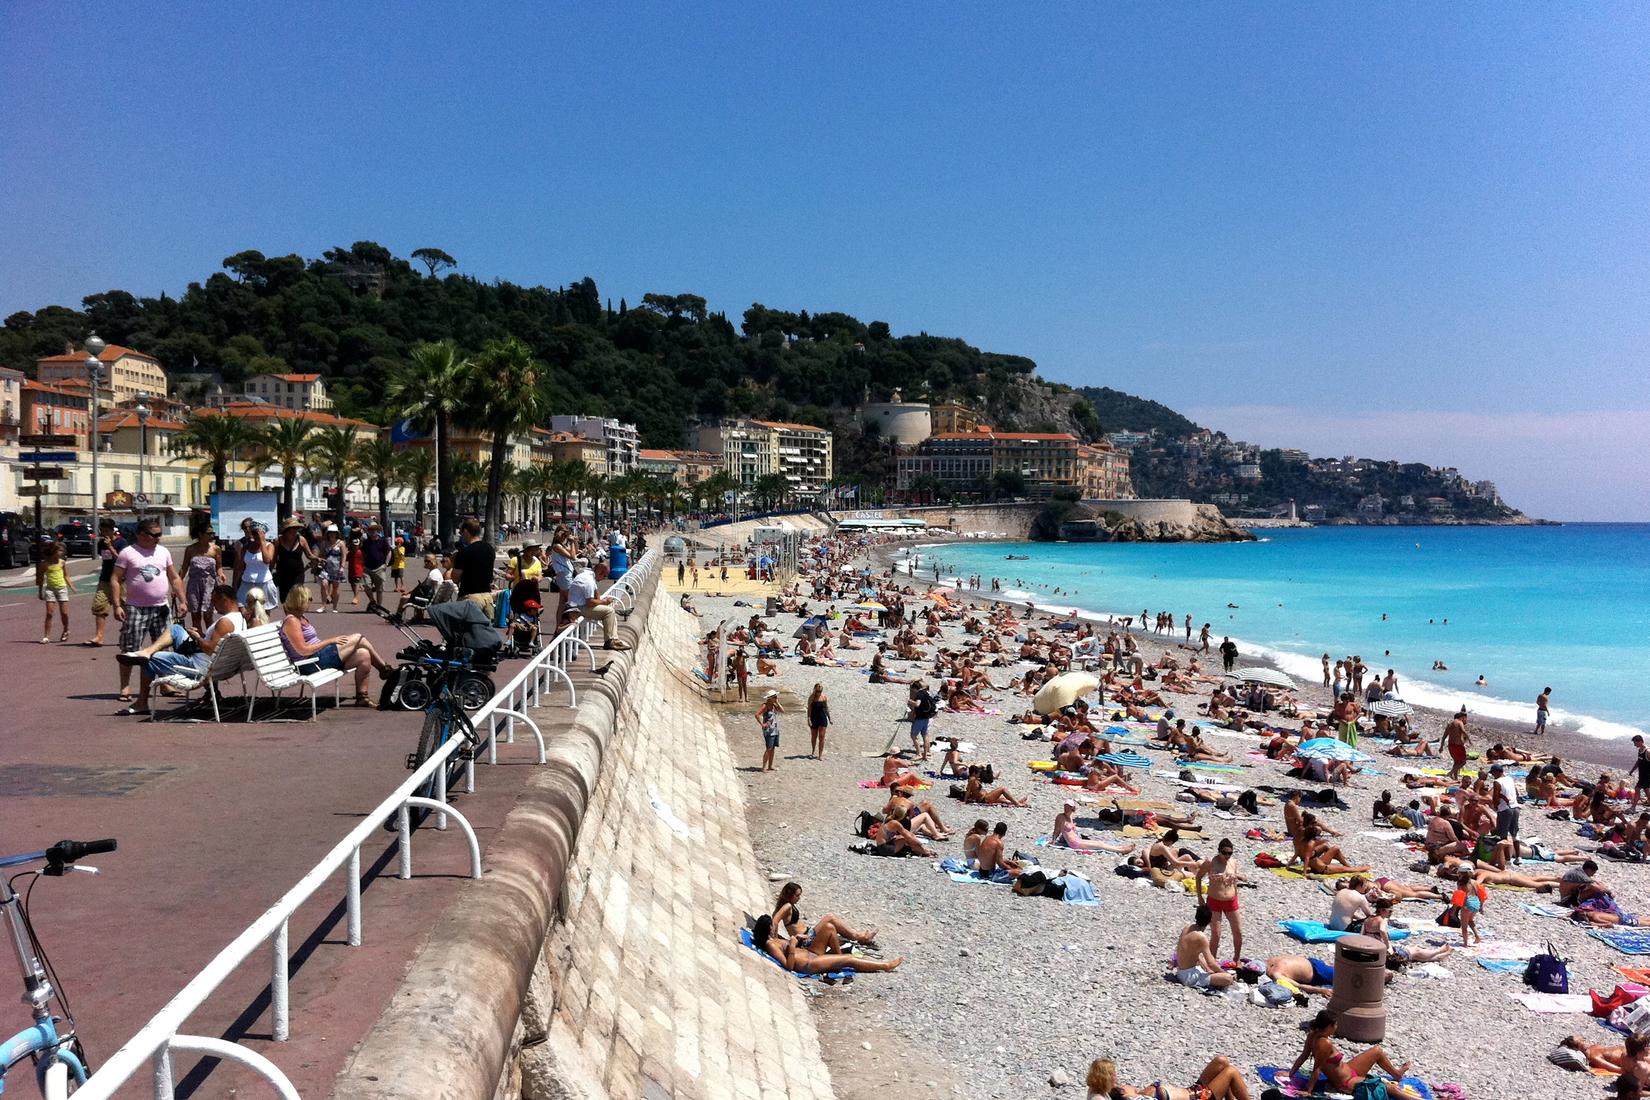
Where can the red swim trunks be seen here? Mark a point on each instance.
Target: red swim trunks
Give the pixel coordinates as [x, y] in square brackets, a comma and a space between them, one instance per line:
[1223, 905]
[1458, 753]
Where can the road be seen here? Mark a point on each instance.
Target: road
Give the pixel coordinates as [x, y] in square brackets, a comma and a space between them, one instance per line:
[214, 823]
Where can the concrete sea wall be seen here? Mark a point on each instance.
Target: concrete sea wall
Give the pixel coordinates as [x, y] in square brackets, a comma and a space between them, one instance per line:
[598, 957]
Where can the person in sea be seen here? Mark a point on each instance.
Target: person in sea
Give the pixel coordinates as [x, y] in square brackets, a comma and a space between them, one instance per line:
[1338, 1071]
[1220, 1080]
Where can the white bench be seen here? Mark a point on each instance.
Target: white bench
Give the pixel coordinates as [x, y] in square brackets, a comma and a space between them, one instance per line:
[277, 672]
[232, 658]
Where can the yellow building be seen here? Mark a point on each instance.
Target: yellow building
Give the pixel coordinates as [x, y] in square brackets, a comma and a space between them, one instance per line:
[572, 447]
[751, 449]
[950, 418]
[1105, 472]
[126, 373]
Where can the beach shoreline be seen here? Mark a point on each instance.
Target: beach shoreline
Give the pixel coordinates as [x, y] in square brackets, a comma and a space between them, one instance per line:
[1485, 730]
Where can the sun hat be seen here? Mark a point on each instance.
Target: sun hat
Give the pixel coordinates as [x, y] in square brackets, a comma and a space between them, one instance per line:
[291, 522]
[771, 695]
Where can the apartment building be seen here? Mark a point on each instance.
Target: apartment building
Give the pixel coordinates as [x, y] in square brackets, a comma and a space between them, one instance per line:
[622, 441]
[127, 373]
[299, 392]
[751, 449]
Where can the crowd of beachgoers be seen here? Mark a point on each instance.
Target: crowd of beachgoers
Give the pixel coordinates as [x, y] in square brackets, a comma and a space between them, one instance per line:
[1098, 852]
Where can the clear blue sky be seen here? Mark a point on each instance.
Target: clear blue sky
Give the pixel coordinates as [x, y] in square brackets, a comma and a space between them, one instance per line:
[1418, 231]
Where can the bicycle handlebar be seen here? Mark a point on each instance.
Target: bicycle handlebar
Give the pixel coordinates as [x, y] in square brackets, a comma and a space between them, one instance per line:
[67, 851]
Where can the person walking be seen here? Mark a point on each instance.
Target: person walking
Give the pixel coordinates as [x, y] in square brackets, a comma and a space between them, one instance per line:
[819, 717]
[1228, 653]
[53, 582]
[109, 546]
[146, 586]
[767, 719]
[375, 560]
[1541, 702]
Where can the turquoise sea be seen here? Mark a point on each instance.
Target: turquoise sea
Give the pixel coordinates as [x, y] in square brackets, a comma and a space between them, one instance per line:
[1525, 607]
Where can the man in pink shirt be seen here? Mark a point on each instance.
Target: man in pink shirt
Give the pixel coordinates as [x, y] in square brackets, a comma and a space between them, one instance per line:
[146, 583]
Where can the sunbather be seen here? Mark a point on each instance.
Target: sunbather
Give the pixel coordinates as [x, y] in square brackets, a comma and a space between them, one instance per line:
[919, 817]
[1321, 857]
[975, 792]
[825, 936]
[1195, 964]
[1220, 1080]
[1108, 777]
[893, 777]
[1339, 1071]
[1163, 856]
[1305, 973]
[795, 956]
[1065, 834]
[1609, 1058]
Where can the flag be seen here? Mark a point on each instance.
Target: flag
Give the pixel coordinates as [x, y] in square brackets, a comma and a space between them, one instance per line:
[848, 491]
[403, 433]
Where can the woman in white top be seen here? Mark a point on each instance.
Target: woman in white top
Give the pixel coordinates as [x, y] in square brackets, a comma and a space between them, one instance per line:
[252, 569]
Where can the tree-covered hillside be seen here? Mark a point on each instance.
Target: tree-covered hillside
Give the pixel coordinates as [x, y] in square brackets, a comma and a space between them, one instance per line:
[1124, 412]
[355, 312]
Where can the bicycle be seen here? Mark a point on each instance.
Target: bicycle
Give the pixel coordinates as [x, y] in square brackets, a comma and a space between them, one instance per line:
[60, 1062]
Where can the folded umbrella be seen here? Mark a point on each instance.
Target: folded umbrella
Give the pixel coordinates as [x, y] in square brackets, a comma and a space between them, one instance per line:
[1269, 676]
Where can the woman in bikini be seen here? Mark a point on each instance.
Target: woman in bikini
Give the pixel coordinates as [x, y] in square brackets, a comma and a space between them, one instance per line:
[1164, 858]
[827, 934]
[1322, 857]
[1339, 1071]
[1221, 896]
[1220, 1080]
[792, 955]
[1065, 834]
[974, 791]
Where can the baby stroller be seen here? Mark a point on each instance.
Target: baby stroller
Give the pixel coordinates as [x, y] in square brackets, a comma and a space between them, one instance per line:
[469, 642]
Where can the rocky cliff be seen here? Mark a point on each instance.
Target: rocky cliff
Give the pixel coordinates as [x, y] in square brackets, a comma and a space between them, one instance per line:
[1156, 522]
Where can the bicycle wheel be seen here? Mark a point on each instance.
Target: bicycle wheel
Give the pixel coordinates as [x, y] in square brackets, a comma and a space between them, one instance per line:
[428, 738]
[473, 690]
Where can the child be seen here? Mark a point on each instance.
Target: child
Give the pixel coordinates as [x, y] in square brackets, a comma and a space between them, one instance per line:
[1469, 899]
[53, 583]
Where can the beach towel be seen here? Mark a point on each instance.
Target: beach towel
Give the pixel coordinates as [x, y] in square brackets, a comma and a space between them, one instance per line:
[957, 871]
[1638, 974]
[1080, 892]
[1315, 931]
[874, 784]
[1543, 909]
[1296, 873]
[1503, 966]
[1553, 1003]
[1200, 784]
[1042, 765]
[1501, 949]
[1207, 766]
[1279, 1078]
[834, 975]
[1629, 941]
[1134, 832]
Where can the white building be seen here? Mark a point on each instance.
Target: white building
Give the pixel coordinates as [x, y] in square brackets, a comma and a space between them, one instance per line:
[299, 392]
[623, 441]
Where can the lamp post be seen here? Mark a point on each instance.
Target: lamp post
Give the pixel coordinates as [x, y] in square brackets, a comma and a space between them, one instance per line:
[142, 412]
[94, 373]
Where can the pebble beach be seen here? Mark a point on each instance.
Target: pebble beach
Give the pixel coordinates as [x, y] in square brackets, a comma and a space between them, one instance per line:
[1007, 996]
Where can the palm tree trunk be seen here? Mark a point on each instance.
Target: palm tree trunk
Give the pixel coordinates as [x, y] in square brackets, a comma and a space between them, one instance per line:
[220, 474]
[384, 506]
[286, 494]
[495, 482]
[446, 500]
[340, 518]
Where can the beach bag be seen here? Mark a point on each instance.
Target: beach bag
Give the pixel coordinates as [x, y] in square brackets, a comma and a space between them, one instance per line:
[1267, 859]
[1275, 995]
[1634, 1018]
[1450, 917]
[1546, 973]
[1370, 1088]
[863, 823]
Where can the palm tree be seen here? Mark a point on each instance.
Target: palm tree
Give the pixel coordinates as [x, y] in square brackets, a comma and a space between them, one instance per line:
[431, 387]
[469, 480]
[219, 439]
[335, 452]
[417, 471]
[771, 489]
[285, 443]
[567, 478]
[380, 464]
[596, 488]
[508, 398]
[716, 487]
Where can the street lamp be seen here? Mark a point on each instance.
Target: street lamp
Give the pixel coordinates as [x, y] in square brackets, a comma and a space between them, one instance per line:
[142, 412]
[94, 374]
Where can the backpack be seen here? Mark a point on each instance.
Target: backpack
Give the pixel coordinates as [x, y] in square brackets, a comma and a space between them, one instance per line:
[1267, 859]
[1547, 973]
[863, 823]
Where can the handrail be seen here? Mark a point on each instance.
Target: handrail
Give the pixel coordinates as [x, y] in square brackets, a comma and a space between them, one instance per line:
[152, 1041]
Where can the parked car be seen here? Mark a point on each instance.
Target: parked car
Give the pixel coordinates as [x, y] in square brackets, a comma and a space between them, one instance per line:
[19, 544]
[77, 537]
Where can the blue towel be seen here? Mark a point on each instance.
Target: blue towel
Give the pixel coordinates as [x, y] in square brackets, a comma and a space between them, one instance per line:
[1078, 891]
[1629, 941]
[749, 941]
[1205, 766]
[1279, 1078]
[1315, 931]
[1504, 966]
[957, 871]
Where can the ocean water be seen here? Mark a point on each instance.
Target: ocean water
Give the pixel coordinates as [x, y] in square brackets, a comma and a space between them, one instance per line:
[1525, 607]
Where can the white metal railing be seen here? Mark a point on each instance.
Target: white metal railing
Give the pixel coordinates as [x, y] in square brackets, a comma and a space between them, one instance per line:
[157, 1039]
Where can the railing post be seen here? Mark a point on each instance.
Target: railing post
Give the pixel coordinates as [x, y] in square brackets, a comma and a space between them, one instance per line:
[354, 896]
[441, 793]
[163, 1072]
[404, 825]
[277, 986]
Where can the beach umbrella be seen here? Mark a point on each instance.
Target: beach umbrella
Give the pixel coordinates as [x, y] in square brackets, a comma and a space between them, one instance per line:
[1062, 691]
[1268, 676]
[1127, 758]
[1392, 708]
[1327, 748]
[870, 605]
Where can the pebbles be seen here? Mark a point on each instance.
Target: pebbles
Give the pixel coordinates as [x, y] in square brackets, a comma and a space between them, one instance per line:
[1012, 996]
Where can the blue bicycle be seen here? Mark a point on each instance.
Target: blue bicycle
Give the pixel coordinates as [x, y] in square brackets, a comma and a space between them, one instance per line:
[59, 1059]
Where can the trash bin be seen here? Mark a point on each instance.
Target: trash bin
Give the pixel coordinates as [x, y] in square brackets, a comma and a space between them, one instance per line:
[1358, 997]
[773, 606]
[618, 562]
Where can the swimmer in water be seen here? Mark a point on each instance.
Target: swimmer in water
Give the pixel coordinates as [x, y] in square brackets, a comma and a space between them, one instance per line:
[1481, 682]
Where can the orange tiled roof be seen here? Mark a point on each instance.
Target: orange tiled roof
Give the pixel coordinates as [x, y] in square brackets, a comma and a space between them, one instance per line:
[254, 411]
[63, 389]
[573, 437]
[292, 377]
[656, 455]
[126, 418]
[111, 352]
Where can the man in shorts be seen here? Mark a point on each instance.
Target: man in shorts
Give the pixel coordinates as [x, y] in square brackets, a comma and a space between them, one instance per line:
[1641, 770]
[923, 709]
[1195, 964]
[146, 585]
[375, 557]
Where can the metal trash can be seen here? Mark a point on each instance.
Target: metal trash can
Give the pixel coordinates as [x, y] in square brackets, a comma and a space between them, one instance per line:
[773, 606]
[1358, 997]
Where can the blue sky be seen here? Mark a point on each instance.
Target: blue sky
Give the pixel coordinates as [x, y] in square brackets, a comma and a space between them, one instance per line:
[1411, 230]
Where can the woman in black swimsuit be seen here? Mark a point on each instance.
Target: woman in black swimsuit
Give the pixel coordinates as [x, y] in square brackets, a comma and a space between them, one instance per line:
[292, 557]
[819, 716]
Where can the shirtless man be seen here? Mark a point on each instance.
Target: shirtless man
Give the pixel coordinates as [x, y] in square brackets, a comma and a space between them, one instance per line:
[1376, 926]
[1195, 964]
[1221, 896]
[990, 853]
[1350, 905]
[1456, 740]
[1445, 836]
[1305, 973]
